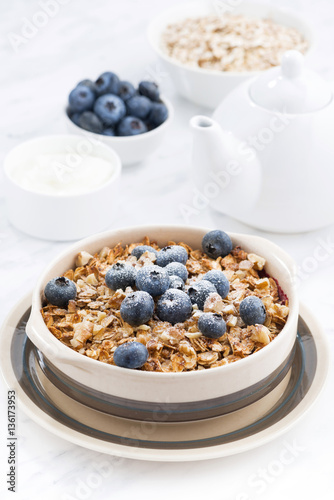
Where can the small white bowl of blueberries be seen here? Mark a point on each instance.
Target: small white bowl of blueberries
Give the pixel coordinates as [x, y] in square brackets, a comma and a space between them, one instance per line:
[131, 120]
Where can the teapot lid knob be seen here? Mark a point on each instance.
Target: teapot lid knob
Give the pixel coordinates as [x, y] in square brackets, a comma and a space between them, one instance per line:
[291, 88]
[292, 64]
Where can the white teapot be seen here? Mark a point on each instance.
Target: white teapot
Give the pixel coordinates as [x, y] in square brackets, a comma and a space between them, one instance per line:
[267, 156]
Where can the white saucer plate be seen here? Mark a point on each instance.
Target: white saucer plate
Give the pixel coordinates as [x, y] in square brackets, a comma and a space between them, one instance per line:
[205, 439]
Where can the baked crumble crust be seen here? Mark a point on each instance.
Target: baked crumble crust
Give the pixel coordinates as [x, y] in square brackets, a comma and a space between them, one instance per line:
[92, 324]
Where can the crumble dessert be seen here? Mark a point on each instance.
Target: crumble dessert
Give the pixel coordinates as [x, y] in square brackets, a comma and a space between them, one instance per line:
[91, 318]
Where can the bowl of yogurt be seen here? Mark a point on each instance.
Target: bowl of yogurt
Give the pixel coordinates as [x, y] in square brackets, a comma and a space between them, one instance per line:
[61, 187]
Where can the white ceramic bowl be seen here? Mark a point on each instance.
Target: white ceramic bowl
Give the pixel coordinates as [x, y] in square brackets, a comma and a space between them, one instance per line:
[131, 149]
[208, 87]
[60, 217]
[190, 391]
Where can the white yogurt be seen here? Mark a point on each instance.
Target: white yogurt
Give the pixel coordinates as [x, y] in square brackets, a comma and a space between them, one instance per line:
[62, 174]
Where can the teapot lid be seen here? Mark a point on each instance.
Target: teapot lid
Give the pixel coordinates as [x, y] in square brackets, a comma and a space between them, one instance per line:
[291, 88]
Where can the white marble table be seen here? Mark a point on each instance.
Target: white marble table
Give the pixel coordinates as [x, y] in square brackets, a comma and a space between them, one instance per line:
[81, 40]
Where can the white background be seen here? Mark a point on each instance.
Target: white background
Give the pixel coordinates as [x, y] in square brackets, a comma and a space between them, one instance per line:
[82, 40]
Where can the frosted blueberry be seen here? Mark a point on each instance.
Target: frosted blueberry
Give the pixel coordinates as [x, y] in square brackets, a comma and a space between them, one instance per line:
[200, 291]
[120, 275]
[217, 244]
[219, 280]
[176, 282]
[153, 280]
[212, 325]
[172, 253]
[174, 306]
[59, 291]
[252, 311]
[139, 250]
[177, 269]
[131, 355]
[137, 308]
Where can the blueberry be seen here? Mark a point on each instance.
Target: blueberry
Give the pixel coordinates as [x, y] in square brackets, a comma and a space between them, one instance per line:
[158, 114]
[59, 291]
[131, 355]
[89, 84]
[217, 244]
[110, 109]
[74, 117]
[176, 282]
[109, 131]
[126, 90]
[177, 269]
[149, 126]
[174, 306]
[220, 281]
[81, 98]
[139, 250]
[212, 325]
[150, 90]
[139, 106]
[173, 253]
[89, 121]
[252, 311]
[137, 308]
[130, 125]
[120, 275]
[107, 83]
[200, 291]
[153, 280]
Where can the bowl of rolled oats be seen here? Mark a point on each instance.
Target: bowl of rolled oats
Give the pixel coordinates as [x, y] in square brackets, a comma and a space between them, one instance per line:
[208, 49]
[167, 322]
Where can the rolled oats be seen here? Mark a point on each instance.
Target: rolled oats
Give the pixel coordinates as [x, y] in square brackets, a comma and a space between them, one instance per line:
[230, 42]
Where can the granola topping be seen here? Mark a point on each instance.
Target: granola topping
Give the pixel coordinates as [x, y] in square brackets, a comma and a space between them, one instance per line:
[92, 324]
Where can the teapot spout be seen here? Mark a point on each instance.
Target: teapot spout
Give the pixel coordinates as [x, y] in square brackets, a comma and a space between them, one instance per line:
[222, 170]
[211, 146]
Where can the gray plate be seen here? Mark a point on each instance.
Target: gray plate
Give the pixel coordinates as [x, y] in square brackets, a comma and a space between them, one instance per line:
[158, 440]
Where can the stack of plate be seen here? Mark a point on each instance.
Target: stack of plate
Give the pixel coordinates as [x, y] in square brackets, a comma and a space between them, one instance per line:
[95, 421]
